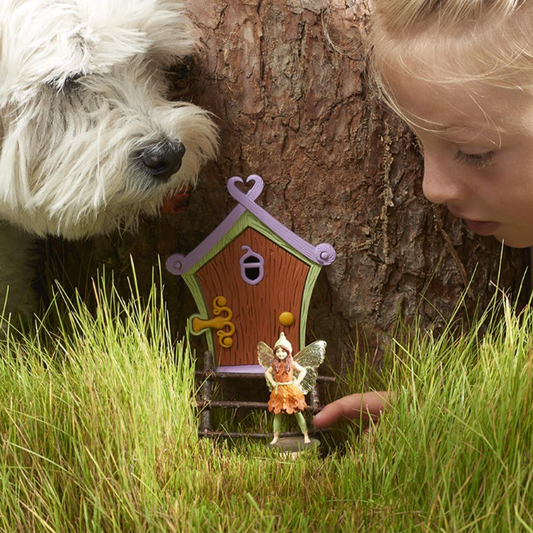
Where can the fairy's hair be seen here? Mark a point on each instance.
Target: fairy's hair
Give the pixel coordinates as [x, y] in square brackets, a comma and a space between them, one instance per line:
[453, 41]
[286, 363]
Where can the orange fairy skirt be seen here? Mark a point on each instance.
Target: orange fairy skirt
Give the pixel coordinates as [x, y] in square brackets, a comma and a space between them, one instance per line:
[286, 399]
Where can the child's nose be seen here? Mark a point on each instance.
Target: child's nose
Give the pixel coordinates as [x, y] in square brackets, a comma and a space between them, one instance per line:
[442, 185]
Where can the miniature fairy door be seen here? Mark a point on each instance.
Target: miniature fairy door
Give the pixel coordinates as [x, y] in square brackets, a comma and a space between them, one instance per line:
[251, 278]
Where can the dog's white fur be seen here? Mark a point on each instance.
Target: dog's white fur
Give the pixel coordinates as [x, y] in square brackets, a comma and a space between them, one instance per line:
[82, 89]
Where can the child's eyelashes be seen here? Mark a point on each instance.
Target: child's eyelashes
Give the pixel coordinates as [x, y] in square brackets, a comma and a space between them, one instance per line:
[480, 161]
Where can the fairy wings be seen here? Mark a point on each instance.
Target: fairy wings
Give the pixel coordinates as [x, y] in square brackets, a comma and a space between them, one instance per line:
[311, 357]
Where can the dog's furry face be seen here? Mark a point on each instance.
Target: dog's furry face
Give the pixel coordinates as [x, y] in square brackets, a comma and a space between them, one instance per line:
[83, 105]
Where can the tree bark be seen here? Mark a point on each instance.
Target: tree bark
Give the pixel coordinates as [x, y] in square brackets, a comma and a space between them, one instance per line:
[286, 80]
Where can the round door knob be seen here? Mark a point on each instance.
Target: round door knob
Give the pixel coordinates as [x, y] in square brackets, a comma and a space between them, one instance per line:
[286, 319]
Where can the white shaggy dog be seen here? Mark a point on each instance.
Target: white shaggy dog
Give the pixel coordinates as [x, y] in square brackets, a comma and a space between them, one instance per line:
[88, 138]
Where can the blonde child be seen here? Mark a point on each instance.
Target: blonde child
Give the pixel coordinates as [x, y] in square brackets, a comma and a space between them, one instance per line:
[460, 74]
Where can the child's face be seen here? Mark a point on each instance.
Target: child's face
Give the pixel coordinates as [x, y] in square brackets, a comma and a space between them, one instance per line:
[478, 152]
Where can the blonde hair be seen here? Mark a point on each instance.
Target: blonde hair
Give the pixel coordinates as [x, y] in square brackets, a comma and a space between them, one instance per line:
[453, 41]
[399, 15]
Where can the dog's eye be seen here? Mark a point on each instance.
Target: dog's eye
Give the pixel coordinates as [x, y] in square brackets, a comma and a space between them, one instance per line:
[64, 84]
[183, 72]
[74, 77]
[71, 80]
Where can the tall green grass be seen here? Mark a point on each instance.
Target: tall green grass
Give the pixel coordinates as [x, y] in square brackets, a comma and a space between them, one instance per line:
[90, 420]
[98, 433]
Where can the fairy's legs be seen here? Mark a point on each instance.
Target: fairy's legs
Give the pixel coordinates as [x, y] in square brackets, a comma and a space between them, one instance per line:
[303, 427]
[277, 428]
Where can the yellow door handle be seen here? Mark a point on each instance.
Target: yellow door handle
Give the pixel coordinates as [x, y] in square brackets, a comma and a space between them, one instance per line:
[223, 324]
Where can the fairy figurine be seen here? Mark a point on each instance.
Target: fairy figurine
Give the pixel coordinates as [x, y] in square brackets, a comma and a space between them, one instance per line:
[287, 391]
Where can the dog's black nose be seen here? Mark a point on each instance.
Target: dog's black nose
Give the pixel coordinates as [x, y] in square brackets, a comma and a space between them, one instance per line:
[163, 159]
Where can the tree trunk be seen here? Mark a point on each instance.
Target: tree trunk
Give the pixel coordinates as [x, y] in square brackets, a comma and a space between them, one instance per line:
[287, 81]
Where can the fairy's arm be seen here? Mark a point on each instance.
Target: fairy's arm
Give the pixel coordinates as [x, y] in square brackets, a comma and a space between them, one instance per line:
[301, 372]
[268, 376]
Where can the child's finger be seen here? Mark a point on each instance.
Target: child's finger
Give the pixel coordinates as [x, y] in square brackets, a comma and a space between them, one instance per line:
[346, 408]
[365, 406]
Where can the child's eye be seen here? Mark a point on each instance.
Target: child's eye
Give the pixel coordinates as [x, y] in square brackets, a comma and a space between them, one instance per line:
[480, 161]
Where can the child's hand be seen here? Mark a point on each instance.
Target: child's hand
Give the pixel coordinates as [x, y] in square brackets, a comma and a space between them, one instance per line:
[366, 406]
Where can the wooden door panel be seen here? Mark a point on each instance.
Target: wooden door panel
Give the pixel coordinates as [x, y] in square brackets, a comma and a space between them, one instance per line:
[256, 308]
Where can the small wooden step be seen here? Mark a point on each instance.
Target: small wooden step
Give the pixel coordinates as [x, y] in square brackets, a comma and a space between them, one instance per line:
[213, 374]
[214, 404]
[206, 402]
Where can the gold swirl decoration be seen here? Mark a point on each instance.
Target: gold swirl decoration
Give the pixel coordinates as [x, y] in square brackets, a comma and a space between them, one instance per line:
[222, 323]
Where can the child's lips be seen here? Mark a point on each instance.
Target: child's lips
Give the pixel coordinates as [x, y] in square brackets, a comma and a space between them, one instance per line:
[481, 227]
